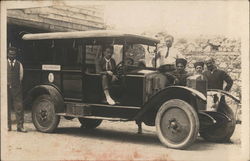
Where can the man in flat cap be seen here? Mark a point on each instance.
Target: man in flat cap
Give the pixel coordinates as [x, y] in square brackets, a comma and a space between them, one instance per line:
[180, 73]
[216, 77]
[14, 78]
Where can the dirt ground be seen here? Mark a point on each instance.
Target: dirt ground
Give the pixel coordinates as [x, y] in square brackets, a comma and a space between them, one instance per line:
[110, 141]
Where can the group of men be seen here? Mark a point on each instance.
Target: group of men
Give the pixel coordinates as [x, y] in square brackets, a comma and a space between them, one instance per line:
[214, 76]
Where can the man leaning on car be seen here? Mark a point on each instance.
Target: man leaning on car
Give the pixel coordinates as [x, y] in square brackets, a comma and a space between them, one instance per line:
[216, 77]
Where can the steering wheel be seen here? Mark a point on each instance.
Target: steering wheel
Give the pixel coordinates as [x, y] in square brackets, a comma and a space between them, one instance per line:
[171, 78]
[129, 61]
[119, 69]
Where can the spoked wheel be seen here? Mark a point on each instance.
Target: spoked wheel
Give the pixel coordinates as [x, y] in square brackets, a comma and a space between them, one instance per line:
[222, 130]
[43, 114]
[177, 124]
[89, 123]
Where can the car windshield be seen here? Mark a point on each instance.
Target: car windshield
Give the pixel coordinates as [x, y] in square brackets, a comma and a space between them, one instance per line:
[136, 55]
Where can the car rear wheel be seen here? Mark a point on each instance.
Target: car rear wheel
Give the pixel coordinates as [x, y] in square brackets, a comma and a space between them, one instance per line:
[43, 114]
[177, 124]
[89, 123]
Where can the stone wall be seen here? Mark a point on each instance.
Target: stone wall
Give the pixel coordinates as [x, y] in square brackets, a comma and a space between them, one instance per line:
[227, 61]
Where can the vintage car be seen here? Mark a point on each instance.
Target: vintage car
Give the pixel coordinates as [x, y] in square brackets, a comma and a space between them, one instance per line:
[60, 80]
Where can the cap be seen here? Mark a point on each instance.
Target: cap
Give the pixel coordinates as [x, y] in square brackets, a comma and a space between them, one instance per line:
[199, 63]
[181, 60]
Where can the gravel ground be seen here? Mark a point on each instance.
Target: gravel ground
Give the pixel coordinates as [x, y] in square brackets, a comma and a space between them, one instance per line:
[110, 141]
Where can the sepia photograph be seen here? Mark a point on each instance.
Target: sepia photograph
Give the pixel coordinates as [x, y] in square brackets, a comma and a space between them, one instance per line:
[125, 80]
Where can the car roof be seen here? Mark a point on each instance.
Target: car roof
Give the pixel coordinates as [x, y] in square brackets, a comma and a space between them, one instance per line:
[96, 34]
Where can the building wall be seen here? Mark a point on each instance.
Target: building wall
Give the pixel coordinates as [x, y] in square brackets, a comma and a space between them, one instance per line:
[58, 18]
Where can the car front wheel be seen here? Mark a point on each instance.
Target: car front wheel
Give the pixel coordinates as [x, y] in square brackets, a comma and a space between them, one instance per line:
[43, 114]
[177, 124]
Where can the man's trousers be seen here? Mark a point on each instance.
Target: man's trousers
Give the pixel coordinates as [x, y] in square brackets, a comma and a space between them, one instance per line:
[15, 101]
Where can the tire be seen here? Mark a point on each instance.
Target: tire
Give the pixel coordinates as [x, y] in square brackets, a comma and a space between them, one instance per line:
[221, 132]
[43, 114]
[177, 124]
[89, 123]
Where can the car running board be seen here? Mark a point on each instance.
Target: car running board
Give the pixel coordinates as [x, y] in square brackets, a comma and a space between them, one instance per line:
[93, 117]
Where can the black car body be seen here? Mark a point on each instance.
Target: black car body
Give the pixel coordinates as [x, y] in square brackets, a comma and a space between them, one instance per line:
[60, 79]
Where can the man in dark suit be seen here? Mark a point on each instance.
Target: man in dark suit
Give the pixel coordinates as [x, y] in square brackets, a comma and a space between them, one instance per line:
[15, 99]
[215, 80]
[106, 67]
[216, 77]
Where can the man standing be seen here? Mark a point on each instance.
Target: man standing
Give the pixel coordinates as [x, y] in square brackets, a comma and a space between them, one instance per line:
[167, 55]
[15, 76]
[216, 77]
[199, 67]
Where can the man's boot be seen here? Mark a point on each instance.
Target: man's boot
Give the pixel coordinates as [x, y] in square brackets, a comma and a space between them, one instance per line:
[9, 128]
[21, 129]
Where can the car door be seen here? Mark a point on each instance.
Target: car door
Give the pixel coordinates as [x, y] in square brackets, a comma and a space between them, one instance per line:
[71, 72]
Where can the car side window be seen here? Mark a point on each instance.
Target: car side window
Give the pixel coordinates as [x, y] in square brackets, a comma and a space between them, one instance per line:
[67, 53]
[93, 55]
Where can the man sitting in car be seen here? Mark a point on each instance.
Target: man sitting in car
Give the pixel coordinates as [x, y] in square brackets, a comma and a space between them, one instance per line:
[106, 67]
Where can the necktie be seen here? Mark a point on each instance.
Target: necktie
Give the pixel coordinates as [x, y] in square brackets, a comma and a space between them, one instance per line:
[167, 53]
[12, 64]
[108, 66]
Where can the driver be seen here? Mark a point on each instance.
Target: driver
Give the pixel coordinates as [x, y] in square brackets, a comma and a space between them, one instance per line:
[106, 68]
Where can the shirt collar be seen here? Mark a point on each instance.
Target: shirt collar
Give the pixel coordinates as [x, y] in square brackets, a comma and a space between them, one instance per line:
[12, 61]
[107, 60]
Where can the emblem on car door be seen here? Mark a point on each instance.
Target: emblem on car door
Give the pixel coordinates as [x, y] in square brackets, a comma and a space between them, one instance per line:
[51, 77]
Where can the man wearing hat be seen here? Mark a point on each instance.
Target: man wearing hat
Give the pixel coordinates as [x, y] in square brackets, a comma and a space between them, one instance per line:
[216, 77]
[199, 66]
[14, 78]
[180, 73]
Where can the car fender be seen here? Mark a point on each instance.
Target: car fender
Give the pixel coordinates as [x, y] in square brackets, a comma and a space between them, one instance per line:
[236, 99]
[51, 90]
[151, 107]
[193, 91]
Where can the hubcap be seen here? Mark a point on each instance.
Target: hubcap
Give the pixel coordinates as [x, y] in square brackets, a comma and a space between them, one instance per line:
[175, 125]
[44, 113]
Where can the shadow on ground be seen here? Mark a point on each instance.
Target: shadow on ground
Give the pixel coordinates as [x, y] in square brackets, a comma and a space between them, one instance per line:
[128, 137]
[111, 134]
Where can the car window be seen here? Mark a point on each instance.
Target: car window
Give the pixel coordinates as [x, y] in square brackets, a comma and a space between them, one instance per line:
[94, 54]
[139, 55]
[67, 53]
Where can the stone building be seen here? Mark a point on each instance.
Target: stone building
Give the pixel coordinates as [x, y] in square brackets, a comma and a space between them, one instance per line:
[54, 18]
